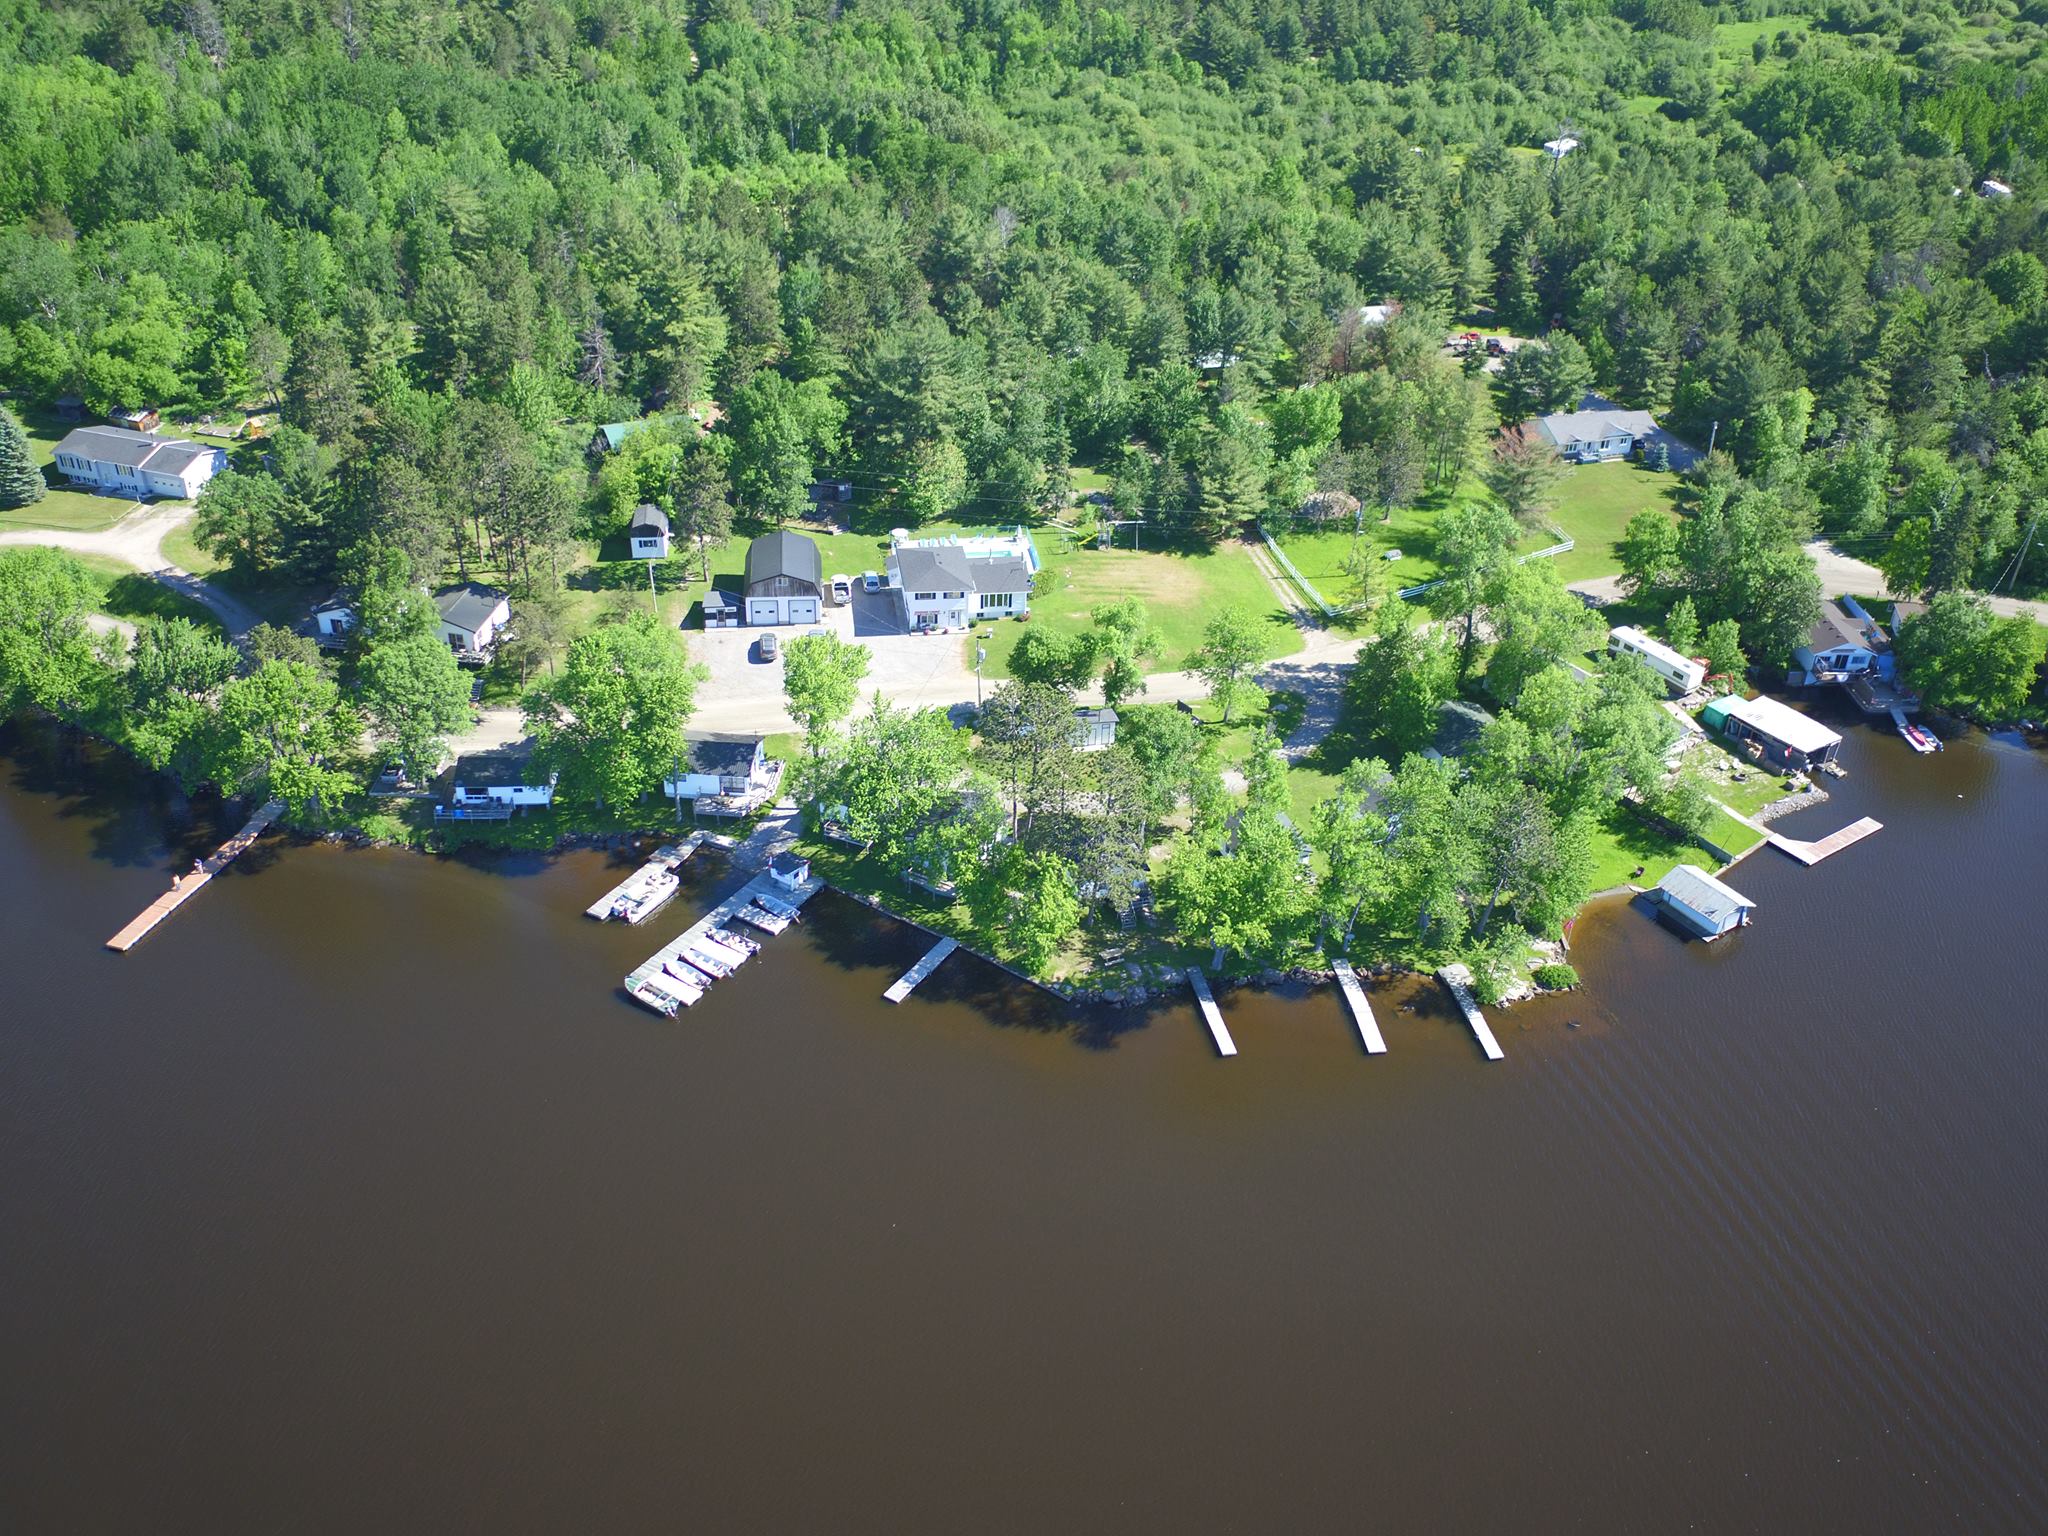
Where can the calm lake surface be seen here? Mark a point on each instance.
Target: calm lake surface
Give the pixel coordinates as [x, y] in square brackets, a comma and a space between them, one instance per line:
[358, 1198]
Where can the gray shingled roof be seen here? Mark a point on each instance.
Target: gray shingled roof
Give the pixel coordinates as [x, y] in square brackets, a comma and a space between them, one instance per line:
[784, 554]
[1838, 627]
[934, 568]
[723, 755]
[648, 515]
[129, 449]
[467, 606]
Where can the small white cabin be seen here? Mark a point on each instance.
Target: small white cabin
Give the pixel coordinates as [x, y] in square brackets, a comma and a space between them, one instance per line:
[1704, 906]
[504, 776]
[648, 534]
[790, 869]
[1679, 672]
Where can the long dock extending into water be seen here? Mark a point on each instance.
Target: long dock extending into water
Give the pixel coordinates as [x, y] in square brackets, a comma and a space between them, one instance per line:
[185, 886]
[1834, 842]
[907, 982]
[1211, 1014]
[693, 953]
[1459, 980]
[1361, 1008]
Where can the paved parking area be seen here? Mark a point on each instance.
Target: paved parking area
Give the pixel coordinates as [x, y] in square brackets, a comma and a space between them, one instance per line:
[744, 693]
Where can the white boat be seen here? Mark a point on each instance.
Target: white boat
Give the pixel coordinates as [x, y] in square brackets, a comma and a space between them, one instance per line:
[709, 960]
[661, 993]
[1919, 738]
[761, 918]
[775, 904]
[683, 971]
[732, 940]
[648, 899]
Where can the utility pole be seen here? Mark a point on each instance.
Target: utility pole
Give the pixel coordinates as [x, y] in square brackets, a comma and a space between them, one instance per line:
[653, 597]
[1711, 435]
[980, 655]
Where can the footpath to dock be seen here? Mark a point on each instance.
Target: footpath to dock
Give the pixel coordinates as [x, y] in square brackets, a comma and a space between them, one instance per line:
[1211, 1014]
[1459, 980]
[1361, 1008]
[1834, 842]
[907, 983]
[185, 886]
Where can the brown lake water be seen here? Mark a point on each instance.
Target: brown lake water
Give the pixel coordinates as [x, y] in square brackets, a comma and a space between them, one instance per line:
[358, 1198]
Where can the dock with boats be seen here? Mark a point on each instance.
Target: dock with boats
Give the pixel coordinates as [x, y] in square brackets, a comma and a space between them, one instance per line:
[649, 888]
[907, 982]
[1361, 1008]
[1833, 843]
[708, 951]
[1459, 980]
[185, 886]
[1211, 1014]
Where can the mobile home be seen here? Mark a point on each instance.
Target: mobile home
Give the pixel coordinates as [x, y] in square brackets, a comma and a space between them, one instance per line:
[1679, 672]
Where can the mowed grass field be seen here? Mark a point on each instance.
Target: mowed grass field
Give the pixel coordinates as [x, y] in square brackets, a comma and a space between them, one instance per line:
[125, 593]
[1594, 505]
[1181, 592]
[73, 511]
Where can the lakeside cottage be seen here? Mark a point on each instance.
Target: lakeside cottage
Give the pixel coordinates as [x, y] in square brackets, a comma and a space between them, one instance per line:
[138, 464]
[1773, 733]
[734, 767]
[1703, 905]
[472, 617]
[491, 786]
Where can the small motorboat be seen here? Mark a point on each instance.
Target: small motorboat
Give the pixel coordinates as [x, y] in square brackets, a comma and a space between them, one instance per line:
[732, 940]
[1919, 738]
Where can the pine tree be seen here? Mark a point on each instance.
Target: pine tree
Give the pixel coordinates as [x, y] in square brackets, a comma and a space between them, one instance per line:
[21, 483]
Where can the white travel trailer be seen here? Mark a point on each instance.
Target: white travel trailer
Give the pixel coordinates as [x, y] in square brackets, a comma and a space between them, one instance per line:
[1679, 672]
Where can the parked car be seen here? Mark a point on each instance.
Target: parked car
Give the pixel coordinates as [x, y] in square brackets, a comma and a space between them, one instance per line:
[819, 633]
[870, 582]
[842, 587]
[765, 647]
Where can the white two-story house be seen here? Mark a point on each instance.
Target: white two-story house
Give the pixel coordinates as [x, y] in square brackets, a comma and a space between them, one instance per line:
[951, 583]
[138, 464]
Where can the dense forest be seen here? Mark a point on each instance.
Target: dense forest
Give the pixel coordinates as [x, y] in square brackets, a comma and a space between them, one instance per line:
[948, 250]
[960, 253]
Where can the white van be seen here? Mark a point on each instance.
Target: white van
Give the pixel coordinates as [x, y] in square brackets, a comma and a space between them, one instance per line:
[842, 587]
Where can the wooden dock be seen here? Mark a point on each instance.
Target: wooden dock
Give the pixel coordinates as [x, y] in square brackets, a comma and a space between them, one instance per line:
[1834, 842]
[907, 982]
[1459, 980]
[185, 886]
[665, 860]
[693, 939]
[1361, 1008]
[1211, 1014]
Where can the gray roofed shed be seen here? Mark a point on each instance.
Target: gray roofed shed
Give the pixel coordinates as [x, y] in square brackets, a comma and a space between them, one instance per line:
[647, 515]
[1706, 905]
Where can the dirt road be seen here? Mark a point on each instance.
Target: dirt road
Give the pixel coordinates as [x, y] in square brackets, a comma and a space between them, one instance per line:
[138, 540]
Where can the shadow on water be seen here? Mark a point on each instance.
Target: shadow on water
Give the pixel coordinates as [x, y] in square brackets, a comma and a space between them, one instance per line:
[854, 937]
[137, 818]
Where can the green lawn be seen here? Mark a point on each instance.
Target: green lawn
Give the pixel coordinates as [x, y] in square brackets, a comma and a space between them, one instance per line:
[1181, 592]
[126, 593]
[1621, 842]
[1735, 41]
[1320, 556]
[183, 551]
[1594, 504]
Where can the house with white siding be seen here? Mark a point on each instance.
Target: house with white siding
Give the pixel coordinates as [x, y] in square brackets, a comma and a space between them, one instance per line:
[953, 582]
[138, 464]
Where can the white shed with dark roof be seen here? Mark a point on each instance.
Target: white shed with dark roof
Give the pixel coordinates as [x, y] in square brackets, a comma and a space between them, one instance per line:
[1701, 904]
[648, 534]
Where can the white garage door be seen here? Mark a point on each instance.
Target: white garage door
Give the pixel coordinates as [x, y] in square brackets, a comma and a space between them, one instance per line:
[764, 610]
[803, 610]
